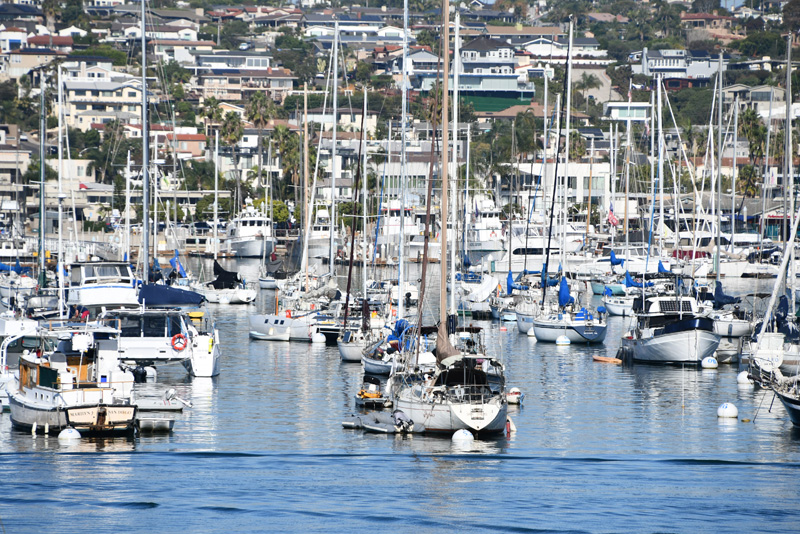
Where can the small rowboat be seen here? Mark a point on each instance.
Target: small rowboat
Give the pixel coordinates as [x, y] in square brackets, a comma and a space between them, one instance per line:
[606, 359]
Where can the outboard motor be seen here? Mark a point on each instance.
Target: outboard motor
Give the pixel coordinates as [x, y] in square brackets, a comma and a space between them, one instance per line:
[139, 375]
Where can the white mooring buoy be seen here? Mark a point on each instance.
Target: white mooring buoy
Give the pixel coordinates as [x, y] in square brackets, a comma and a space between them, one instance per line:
[709, 362]
[463, 436]
[562, 341]
[318, 337]
[743, 380]
[727, 409]
[69, 434]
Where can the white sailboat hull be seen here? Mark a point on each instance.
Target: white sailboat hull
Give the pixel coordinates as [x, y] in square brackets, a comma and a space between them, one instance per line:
[446, 416]
[689, 346]
[620, 306]
[230, 296]
[577, 331]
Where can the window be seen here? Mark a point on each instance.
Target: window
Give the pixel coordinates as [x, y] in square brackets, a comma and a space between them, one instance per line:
[131, 94]
[80, 170]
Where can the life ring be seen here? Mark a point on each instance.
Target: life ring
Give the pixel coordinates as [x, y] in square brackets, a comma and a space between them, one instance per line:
[179, 342]
[288, 314]
[494, 234]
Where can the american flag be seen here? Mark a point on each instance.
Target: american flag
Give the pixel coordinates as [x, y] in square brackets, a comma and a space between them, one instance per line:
[612, 220]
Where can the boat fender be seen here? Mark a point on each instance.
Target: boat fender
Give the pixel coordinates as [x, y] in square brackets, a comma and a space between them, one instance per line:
[179, 342]
[288, 314]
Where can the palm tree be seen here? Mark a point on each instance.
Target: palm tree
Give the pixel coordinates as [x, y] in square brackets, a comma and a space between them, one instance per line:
[288, 147]
[212, 113]
[260, 110]
[754, 131]
[586, 83]
[232, 132]
[50, 10]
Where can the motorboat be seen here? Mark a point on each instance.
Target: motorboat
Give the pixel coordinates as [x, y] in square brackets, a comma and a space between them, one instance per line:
[150, 336]
[101, 284]
[669, 329]
[73, 379]
[249, 235]
[270, 327]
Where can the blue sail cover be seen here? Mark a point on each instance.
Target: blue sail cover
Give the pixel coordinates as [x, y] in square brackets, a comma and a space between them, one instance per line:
[721, 299]
[630, 282]
[614, 260]
[661, 268]
[511, 285]
[159, 295]
[176, 265]
[564, 297]
[19, 269]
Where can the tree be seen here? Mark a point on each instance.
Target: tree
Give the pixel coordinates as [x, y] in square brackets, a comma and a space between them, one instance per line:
[232, 132]
[50, 10]
[259, 110]
[791, 15]
[585, 84]
[212, 112]
[363, 72]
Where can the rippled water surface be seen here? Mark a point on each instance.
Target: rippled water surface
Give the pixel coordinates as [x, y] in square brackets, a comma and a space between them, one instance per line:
[598, 448]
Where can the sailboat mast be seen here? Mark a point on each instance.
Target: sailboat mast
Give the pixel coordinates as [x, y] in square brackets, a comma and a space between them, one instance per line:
[42, 169]
[60, 264]
[719, 167]
[789, 182]
[146, 157]
[216, 192]
[762, 225]
[128, 208]
[364, 204]
[335, 74]
[662, 225]
[445, 164]
[454, 164]
[403, 126]
[307, 208]
[565, 179]
[733, 172]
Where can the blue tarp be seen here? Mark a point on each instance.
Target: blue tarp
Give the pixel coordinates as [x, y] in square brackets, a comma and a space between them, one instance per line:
[176, 265]
[511, 285]
[159, 295]
[721, 299]
[399, 327]
[564, 297]
[613, 259]
[630, 282]
[19, 269]
[661, 268]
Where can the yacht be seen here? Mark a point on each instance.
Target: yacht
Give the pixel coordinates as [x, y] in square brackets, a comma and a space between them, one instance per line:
[250, 234]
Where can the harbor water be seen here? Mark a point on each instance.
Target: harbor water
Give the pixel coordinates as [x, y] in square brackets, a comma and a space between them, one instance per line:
[598, 448]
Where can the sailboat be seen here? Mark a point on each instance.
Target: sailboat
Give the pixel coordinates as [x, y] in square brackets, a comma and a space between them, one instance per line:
[466, 389]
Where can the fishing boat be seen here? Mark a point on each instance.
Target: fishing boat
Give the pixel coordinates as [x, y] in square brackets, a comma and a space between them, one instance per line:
[670, 330]
[73, 379]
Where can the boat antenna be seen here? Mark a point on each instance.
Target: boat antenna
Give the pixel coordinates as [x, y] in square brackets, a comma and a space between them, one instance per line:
[564, 104]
